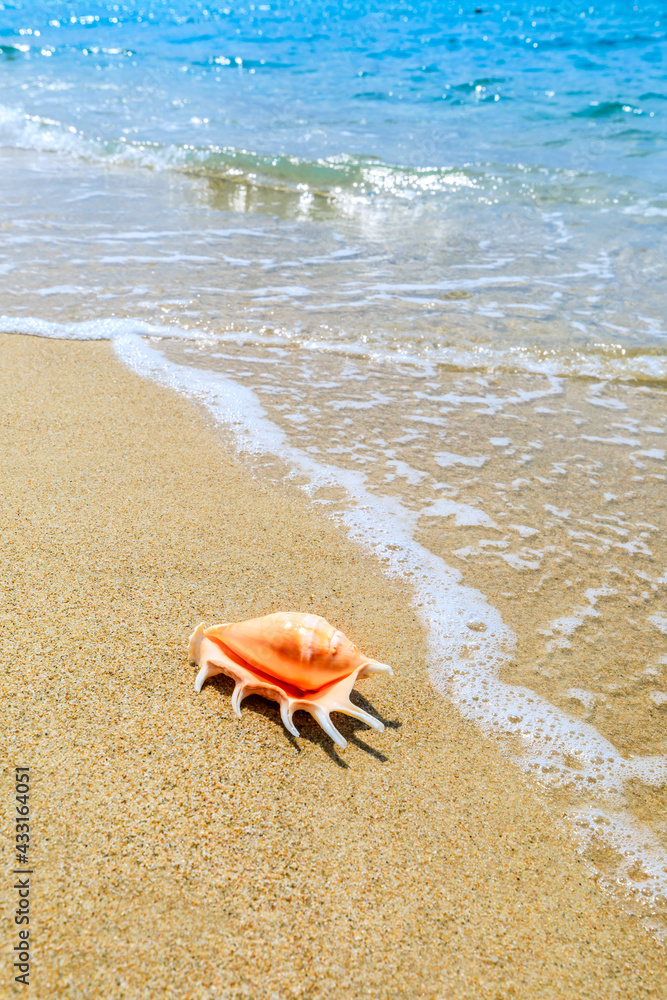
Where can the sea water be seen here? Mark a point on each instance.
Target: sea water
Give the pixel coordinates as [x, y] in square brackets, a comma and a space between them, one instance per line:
[416, 252]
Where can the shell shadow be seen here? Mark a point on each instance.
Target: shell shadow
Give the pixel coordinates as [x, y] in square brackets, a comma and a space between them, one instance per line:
[357, 698]
[308, 727]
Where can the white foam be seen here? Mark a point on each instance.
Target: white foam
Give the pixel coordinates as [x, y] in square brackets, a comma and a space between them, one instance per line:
[612, 440]
[465, 515]
[660, 622]
[445, 458]
[568, 624]
[95, 329]
[524, 530]
[468, 640]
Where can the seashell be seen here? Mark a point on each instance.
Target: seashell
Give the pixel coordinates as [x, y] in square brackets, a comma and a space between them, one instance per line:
[298, 660]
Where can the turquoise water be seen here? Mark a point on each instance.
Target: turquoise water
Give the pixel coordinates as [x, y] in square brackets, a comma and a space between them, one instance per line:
[508, 153]
[569, 86]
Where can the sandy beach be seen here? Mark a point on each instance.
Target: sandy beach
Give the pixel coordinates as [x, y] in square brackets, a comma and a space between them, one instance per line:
[182, 853]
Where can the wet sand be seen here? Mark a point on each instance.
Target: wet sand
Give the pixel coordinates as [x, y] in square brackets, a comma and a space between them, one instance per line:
[181, 853]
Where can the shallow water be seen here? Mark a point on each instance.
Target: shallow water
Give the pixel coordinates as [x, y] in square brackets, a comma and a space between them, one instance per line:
[419, 255]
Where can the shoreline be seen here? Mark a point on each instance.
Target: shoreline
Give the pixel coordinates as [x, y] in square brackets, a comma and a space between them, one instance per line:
[198, 856]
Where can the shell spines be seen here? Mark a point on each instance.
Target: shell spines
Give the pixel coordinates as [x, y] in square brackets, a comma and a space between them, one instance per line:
[214, 655]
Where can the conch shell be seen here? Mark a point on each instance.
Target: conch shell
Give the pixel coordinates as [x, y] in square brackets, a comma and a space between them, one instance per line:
[298, 660]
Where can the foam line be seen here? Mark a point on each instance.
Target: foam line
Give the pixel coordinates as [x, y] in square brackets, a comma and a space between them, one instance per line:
[109, 328]
[465, 659]
[593, 365]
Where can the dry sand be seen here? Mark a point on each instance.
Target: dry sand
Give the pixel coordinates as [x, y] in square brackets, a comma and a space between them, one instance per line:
[180, 853]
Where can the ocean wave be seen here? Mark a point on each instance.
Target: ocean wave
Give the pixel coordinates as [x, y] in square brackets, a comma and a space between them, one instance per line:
[607, 109]
[605, 362]
[600, 362]
[596, 361]
[335, 180]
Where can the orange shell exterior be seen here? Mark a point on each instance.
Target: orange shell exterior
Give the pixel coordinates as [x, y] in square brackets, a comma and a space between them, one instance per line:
[296, 659]
[303, 650]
